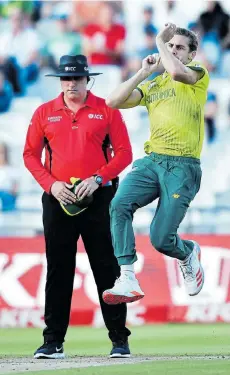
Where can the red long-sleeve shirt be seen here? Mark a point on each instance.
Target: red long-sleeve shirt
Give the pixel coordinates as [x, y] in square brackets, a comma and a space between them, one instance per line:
[74, 142]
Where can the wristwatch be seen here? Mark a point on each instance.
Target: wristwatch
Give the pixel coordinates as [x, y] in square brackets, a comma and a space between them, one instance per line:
[98, 179]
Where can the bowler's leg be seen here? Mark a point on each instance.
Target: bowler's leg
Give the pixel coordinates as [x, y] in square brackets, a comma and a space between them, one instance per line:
[139, 188]
[179, 186]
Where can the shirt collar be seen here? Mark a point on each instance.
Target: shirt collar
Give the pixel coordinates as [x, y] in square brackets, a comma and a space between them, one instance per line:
[91, 101]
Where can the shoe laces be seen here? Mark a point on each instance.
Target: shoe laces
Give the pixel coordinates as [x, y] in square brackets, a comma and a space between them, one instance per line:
[120, 344]
[187, 269]
[51, 343]
[122, 278]
[43, 346]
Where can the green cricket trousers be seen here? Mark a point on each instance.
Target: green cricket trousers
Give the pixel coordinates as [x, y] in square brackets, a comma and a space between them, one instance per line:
[175, 180]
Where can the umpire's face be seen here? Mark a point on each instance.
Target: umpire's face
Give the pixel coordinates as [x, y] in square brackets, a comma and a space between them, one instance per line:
[74, 88]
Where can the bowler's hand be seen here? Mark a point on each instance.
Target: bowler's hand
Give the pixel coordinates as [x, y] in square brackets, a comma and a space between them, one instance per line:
[60, 191]
[151, 63]
[86, 188]
[167, 33]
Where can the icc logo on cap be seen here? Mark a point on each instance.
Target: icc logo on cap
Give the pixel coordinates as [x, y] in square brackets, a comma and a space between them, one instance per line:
[70, 68]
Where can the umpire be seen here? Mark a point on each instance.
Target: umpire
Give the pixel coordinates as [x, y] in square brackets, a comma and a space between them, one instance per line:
[76, 130]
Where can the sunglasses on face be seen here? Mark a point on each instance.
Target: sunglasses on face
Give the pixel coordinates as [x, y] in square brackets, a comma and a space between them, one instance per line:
[77, 78]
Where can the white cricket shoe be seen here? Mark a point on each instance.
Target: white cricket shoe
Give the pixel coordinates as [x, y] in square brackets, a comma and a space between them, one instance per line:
[126, 289]
[192, 271]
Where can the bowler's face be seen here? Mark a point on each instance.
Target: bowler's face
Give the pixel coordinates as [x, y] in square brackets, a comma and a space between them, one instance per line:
[179, 47]
[74, 88]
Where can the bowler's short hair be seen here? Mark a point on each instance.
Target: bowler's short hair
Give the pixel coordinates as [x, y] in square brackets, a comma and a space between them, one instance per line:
[193, 39]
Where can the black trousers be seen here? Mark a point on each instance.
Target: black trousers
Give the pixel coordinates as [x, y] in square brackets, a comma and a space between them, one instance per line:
[61, 235]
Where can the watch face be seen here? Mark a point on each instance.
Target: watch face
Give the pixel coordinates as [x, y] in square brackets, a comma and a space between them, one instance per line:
[98, 180]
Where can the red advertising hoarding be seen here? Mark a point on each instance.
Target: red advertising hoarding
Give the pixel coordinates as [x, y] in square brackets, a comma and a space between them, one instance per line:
[23, 273]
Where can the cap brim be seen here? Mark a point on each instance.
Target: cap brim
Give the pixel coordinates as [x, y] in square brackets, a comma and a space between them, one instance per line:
[72, 74]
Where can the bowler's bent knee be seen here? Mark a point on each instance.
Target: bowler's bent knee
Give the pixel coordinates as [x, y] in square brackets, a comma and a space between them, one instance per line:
[119, 205]
[164, 243]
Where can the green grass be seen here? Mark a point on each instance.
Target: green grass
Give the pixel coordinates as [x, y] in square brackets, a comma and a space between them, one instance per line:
[149, 339]
[160, 340]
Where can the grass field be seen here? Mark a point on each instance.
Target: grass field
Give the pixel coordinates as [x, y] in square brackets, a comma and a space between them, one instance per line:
[166, 341]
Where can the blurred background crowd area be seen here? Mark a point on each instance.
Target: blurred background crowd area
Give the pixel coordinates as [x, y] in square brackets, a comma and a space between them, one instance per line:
[115, 36]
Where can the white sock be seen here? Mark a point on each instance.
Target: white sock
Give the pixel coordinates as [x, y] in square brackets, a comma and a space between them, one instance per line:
[128, 269]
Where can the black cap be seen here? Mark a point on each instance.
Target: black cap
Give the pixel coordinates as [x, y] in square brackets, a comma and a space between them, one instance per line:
[73, 66]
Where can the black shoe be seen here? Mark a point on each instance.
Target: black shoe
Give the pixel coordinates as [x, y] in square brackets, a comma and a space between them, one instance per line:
[52, 349]
[120, 349]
